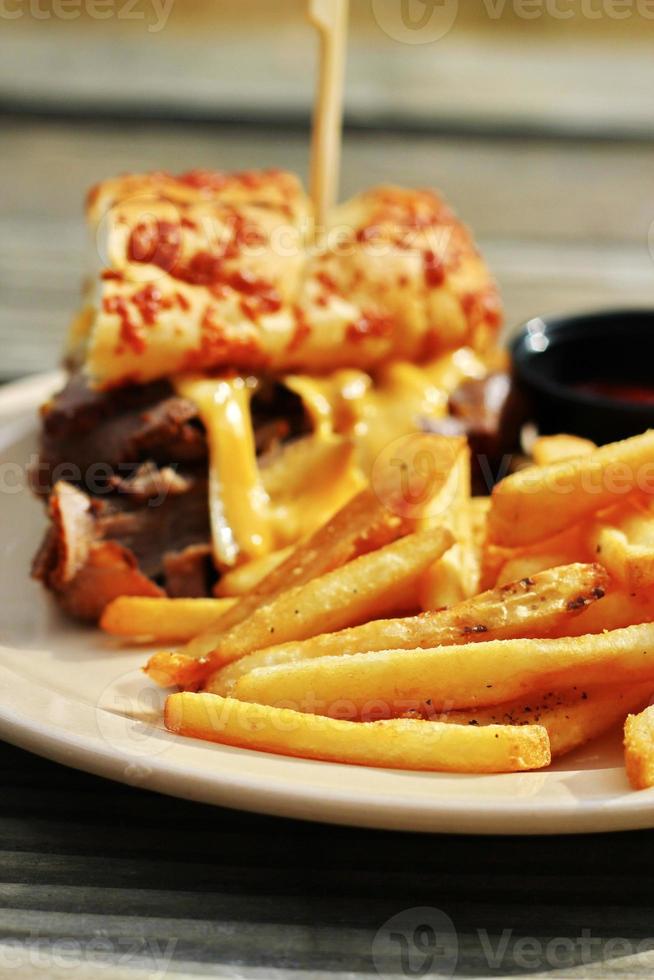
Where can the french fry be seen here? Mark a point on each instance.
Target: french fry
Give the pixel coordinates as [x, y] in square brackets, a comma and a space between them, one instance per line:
[529, 564]
[373, 518]
[424, 477]
[288, 474]
[458, 515]
[571, 717]
[540, 501]
[493, 560]
[455, 576]
[470, 675]
[443, 584]
[639, 748]
[617, 610]
[623, 541]
[152, 618]
[363, 589]
[479, 508]
[246, 578]
[362, 525]
[566, 548]
[525, 566]
[396, 744]
[492, 682]
[555, 449]
[526, 608]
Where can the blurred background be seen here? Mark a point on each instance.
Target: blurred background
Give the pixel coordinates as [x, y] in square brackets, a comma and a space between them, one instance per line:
[535, 117]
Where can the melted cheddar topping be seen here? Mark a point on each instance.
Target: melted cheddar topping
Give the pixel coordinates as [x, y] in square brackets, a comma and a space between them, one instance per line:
[239, 506]
[255, 510]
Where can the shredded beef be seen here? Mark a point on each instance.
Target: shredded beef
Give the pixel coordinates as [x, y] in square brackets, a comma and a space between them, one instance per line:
[96, 550]
[490, 414]
[109, 572]
[188, 572]
[170, 524]
[82, 570]
[148, 484]
[126, 479]
[86, 434]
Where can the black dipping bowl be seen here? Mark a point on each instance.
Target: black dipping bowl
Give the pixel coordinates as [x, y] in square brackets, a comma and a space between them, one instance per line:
[554, 356]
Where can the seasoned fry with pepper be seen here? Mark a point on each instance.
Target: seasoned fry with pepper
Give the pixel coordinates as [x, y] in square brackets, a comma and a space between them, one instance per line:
[530, 607]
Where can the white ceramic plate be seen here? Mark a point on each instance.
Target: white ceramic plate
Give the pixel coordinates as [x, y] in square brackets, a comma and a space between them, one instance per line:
[73, 695]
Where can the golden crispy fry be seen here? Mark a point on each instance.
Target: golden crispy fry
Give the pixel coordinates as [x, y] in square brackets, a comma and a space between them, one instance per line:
[528, 565]
[526, 608]
[555, 449]
[616, 610]
[639, 748]
[373, 518]
[511, 564]
[362, 525]
[458, 516]
[288, 474]
[147, 618]
[246, 578]
[443, 584]
[423, 477]
[471, 675]
[493, 560]
[540, 501]
[366, 587]
[623, 540]
[397, 744]
[572, 717]
[479, 508]
[455, 576]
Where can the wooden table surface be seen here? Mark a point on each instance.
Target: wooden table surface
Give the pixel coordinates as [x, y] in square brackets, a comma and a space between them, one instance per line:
[92, 872]
[163, 887]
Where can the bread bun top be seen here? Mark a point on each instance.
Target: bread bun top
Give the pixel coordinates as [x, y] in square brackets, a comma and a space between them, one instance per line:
[218, 271]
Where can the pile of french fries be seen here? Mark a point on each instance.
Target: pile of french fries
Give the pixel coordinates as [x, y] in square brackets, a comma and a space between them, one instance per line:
[421, 628]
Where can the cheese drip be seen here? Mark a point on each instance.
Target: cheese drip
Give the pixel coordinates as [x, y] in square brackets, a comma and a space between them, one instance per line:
[353, 417]
[375, 410]
[239, 507]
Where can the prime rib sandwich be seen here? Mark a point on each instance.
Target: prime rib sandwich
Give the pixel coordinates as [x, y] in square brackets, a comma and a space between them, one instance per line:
[234, 371]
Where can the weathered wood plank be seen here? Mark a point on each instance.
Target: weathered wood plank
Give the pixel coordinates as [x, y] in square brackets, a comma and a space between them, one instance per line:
[542, 75]
[206, 891]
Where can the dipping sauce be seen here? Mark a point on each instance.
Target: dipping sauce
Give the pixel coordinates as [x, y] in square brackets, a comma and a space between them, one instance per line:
[625, 392]
[588, 373]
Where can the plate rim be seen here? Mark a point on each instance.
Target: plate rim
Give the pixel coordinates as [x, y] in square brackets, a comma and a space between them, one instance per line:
[275, 796]
[286, 799]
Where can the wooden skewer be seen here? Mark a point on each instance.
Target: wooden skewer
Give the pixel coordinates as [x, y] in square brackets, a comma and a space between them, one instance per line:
[330, 19]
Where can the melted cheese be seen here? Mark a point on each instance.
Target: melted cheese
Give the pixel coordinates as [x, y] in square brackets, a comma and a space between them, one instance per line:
[308, 482]
[353, 417]
[239, 506]
[374, 412]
